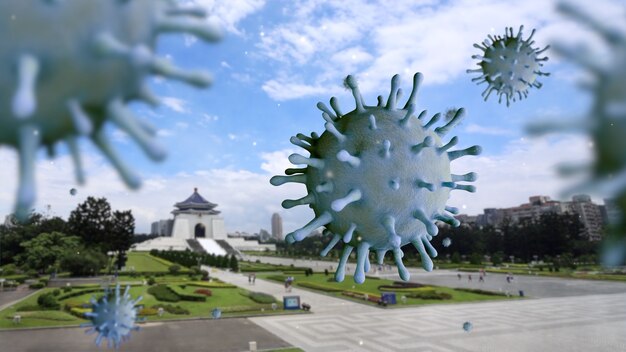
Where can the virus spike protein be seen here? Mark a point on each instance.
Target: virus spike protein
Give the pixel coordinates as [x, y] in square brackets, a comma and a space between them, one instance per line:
[509, 65]
[377, 179]
[50, 57]
[605, 125]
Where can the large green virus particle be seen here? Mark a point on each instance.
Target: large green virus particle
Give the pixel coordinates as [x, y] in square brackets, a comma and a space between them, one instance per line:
[69, 67]
[509, 65]
[605, 124]
[378, 178]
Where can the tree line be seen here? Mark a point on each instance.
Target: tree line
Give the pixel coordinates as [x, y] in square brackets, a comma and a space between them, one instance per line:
[79, 245]
[549, 237]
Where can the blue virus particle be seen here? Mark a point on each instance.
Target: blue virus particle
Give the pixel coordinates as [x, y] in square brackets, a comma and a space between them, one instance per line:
[216, 313]
[68, 68]
[467, 326]
[509, 65]
[378, 178]
[113, 317]
[604, 124]
[446, 242]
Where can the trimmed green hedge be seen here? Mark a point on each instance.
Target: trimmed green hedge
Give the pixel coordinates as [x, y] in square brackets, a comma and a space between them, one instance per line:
[321, 287]
[259, 297]
[193, 297]
[481, 292]
[211, 284]
[430, 294]
[172, 309]
[163, 293]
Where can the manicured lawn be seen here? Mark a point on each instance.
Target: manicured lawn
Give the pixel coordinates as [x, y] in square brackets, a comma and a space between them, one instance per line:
[232, 302]
[371, 288]
[143, 261]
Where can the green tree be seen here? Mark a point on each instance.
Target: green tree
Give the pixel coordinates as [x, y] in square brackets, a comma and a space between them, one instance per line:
[233, 264]
[13, 235]
[83, 262]
[45, 250]
[101, 228]
[497, 258]
[91, 222]
[121, 236]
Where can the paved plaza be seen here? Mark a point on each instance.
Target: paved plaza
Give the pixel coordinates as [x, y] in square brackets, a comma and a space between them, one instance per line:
[588, 316]
[581, 316]
[224, 335]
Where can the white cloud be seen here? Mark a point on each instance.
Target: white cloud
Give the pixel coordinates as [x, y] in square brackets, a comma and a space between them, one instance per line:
[229, 13]
[175, 104]
[432, 37]
[525, 168]
[246, 199]
[494, 131]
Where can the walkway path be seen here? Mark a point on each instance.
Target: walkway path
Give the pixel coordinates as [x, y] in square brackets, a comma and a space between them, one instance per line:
[534, 286]
[582, 323]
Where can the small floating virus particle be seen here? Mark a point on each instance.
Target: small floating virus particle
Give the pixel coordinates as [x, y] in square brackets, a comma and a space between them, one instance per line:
[216, 313]
[378, 178]
[605, 124]
[73, 191]
[113, 317]
[467, 326]
[69, 67]
[509, 65]
[446, 242]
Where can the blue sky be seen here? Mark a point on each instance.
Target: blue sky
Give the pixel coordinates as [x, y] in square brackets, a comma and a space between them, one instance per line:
[279, 58]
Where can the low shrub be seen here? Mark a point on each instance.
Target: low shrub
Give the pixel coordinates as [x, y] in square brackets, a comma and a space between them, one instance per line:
[80, 312]
[321, 287]
[172, 309]
[260, 297]
[430, 294]
[151, 281]
[163, 293]
[481, 292]
[75, 304]
[37, 286]
[186, 296]
[48, 301]
[19, 278]
[174, 269]
[56, 292]
[146, 311]
[212, 284]
[80, 292]
[204, 291]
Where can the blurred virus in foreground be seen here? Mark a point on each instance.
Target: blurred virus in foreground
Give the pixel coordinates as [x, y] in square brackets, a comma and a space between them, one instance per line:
[378, 178]
[509, 65]
[216, 313]
[605, 125]
[69, 67]
[113, 317]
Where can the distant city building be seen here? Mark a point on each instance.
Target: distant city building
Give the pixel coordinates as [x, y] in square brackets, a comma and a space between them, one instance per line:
[162, 228]
[264, 236]
[611, 213]
[277, 226]
[10, 220]
[589, 213]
